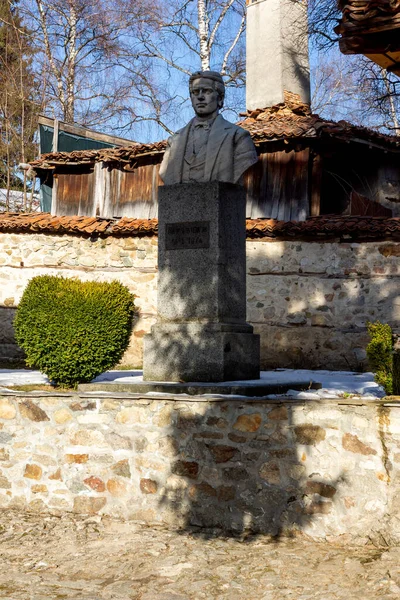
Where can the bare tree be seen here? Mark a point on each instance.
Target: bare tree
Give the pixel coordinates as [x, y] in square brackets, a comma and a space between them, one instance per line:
[335, 87]
[191, 35]
[19, 98]
[78, 42]
[381, 95]
[118, 64]
[323, 16]
[352, 87]
[202, 34]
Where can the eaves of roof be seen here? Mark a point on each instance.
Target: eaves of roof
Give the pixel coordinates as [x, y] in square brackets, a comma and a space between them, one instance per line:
[290, 120]
[368, 16]
[127, 154]
[313, 229]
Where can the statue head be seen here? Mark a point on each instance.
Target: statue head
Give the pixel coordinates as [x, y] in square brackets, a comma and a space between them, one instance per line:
[207, 92]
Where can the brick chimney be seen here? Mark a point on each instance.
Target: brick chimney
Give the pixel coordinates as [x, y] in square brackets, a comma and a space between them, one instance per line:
[277, 52]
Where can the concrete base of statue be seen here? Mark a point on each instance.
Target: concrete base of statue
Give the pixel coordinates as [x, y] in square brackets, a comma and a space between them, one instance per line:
[201, 332]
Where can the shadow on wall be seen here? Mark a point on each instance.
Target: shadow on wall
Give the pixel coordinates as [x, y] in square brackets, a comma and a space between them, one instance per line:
[241, 468]
[201, 334]
[311, 301]
[297, 62]
[10, 353]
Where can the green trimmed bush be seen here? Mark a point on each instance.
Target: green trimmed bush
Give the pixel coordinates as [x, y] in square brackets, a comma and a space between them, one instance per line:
[72, 330]
[380, 354]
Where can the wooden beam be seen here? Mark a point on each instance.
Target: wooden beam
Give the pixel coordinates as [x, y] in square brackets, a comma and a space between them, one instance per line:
[54, 147]
[316, 184]
[377, 43]
[373, 26]
[84, 132]
[394, 68]
[386, 61]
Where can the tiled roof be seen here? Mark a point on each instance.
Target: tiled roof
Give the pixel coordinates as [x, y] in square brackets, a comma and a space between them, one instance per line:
[47, 223]
[360, 14]
[324, 227]
[292, 119]
[125, 154]
[327, 227]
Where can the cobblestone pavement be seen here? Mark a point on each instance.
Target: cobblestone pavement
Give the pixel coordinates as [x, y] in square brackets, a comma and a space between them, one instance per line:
[49, 557]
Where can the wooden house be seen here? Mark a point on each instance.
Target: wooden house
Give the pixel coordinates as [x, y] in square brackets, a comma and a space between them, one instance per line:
[307, 167]
[371, 27]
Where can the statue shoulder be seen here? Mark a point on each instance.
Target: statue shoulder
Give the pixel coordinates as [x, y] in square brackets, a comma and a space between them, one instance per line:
[239, 132]
[243, 133]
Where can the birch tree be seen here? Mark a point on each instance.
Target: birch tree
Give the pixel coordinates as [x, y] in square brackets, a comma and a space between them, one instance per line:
[118, 64]
[200, 34]
[381, 95]
[78, 44]
[189, 35]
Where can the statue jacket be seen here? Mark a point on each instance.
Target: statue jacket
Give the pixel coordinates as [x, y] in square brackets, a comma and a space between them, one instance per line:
[230, 152]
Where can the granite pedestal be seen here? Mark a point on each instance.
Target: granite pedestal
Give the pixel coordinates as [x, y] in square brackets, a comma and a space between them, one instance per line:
[201, 332]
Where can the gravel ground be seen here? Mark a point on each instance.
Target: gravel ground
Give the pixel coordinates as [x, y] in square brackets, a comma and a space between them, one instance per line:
[69, 557]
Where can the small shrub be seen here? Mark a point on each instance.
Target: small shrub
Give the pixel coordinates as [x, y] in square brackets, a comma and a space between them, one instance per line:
[72, 330]
[380, 354]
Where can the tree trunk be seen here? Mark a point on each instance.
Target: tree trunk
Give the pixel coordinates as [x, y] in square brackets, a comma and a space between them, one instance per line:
[392, 107]
[69, 108]
[203, 35]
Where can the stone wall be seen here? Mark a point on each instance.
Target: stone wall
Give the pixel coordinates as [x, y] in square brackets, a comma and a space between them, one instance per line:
[329, 469]
[133, 261]
[309, 300]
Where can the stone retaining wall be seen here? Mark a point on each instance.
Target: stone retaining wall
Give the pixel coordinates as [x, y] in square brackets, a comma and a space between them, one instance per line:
[309, 300]
[329, 469]
[133, 261]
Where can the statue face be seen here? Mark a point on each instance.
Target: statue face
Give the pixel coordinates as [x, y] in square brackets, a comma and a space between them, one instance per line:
[205, 100]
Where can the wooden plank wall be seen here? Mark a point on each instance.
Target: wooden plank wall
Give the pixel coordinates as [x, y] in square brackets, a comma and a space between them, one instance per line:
[135, 193]
[277, 187]
[75, 193]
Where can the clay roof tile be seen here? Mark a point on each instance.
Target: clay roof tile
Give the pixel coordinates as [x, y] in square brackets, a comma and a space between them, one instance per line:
[325, 227]
[291, 119]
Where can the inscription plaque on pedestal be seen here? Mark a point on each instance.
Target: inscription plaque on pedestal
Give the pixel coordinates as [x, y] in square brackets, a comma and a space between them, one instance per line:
[186, 236]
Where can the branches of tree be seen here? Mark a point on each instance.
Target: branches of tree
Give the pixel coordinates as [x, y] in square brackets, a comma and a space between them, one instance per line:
[20, 98]
[381, 90]
[192, 35]
[119, 65]
[77, 44]
[323, 16]
[115, 63]
[353, 85]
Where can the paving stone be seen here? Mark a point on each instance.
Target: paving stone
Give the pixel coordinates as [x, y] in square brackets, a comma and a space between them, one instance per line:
[99, 558]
